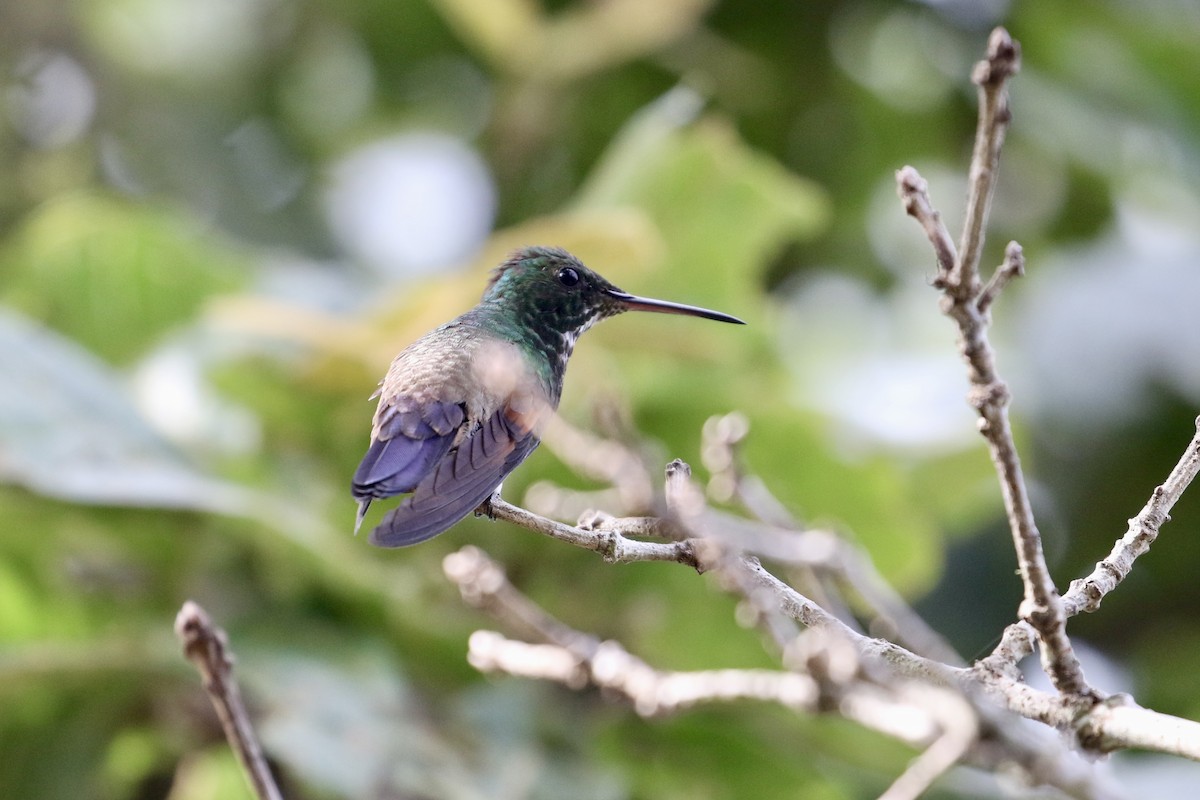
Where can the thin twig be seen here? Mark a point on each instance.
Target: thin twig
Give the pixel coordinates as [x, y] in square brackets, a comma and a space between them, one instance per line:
[991, 76]
[574, 659]
[1002, 684]
[1015, 644]
[605, 460]
[651, 692]
[966, 303]
[1040, 757]
[959, 731]
[914, 193]
[609, 542]
[488, 651]
[1086, 593]
[809, 614]
[912, 711]
[1013, 266]
[484, 585]
[207, 647]
[819, 553]
[686, 503]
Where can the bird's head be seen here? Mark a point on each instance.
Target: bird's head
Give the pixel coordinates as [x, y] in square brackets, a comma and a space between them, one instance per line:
[551, 287]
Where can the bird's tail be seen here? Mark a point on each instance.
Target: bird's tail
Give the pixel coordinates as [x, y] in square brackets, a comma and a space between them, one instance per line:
[363, 505]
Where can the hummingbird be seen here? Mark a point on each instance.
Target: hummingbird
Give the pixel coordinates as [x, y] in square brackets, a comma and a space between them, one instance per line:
[463, 405]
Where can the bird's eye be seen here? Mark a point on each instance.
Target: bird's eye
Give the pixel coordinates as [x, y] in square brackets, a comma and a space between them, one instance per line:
[568, 276]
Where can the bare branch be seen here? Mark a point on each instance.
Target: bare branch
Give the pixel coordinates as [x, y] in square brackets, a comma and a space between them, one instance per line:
[720, 447]
[959, 731]
[821, 553]
[207, 647]
[1041, 757]
[910, 710]
[488, 651]
[991, 76]
[996, 677]
[609, 541]
[651, 692]
[809, 614]
[575, 659]
[686, 502]
[484, 585]
[603, 459]
[965, 303]
[1013, 266]
[1086, 593]
[1016, 643]
[1115, 723]
[1119, 723]
[914, 193]
[684, 499]
[601, 521]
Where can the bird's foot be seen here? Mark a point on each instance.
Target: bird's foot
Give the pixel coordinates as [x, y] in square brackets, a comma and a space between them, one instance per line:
[484, 509]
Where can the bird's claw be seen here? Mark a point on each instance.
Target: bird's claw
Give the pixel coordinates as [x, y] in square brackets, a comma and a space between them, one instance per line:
[484, 509]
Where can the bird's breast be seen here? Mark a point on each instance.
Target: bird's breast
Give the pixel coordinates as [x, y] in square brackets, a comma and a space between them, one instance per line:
[501, 375]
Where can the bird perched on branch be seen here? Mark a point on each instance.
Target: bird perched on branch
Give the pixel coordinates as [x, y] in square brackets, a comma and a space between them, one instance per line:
[463, 405]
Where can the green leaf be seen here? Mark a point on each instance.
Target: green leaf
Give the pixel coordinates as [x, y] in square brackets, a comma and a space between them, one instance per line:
[68, 430]
[114, 275]
[724, 209]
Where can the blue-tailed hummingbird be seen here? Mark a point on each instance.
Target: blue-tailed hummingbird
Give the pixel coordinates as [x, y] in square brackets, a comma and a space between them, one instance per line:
[463, 405]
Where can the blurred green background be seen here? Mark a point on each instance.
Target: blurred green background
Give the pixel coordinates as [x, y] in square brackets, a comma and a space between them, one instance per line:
[219, 220]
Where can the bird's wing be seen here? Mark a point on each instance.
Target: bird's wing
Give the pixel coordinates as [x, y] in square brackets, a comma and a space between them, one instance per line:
[462, 479]
[410, 438]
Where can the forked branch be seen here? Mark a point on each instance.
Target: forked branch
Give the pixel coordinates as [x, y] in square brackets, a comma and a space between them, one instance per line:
[967, 302]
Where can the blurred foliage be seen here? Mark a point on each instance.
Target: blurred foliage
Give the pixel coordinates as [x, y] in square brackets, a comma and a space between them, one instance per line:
[187, 341]
[79, 262]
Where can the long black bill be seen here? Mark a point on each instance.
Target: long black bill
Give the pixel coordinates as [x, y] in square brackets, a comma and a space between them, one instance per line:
[632, 302]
